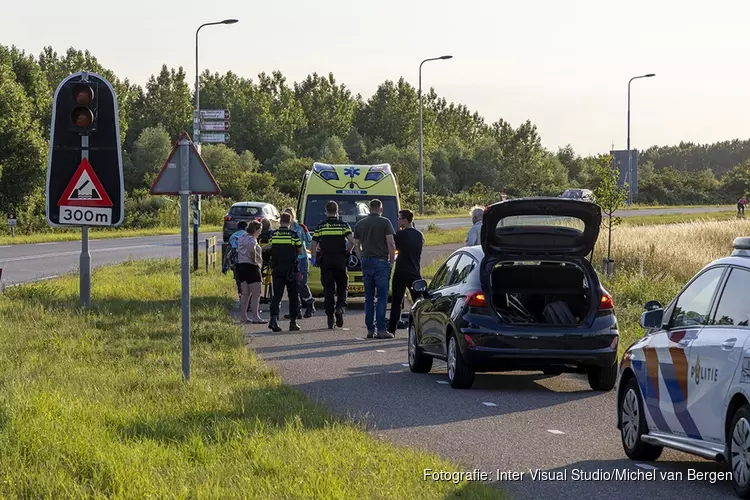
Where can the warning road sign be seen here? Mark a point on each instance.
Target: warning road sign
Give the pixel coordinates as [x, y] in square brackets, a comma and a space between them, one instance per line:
[85, 202]
[85, 189]
[200, 179]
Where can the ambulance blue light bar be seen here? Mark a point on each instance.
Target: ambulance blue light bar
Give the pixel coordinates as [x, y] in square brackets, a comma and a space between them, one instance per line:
[327, 172]
[378, 172]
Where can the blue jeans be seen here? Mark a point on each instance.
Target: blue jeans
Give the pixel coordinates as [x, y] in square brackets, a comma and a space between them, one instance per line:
[305, 296]
[376, 275]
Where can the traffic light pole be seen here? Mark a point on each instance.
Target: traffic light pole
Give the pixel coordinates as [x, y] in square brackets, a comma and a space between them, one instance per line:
[85, 260]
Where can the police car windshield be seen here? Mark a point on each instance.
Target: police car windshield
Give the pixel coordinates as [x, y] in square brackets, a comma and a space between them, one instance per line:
[351, 209]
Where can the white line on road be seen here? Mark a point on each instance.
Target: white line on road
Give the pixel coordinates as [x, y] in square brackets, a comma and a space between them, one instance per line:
[487, 403]
[5, 246]
[555, 431]
[358, 338]
[74, 252]
[442, 382]
[53, 243]
[380, 350]
[646, 466]
[405, 364]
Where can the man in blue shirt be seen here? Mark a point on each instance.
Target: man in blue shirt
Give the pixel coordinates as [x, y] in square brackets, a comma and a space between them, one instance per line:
[305, 295]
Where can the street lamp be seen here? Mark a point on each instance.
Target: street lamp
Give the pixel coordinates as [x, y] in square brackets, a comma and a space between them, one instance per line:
[629, 175]
[196, 136]
[421, 166]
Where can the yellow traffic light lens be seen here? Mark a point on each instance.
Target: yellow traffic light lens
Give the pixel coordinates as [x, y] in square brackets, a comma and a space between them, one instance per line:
[83, 94]
[82, 117]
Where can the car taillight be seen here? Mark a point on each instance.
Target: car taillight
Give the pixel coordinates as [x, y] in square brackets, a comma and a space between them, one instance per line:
[476, 299]
[227, 218]
[606, 304]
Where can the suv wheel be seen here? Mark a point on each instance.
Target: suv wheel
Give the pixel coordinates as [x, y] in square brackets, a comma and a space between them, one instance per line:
[739, 451]
[460, 375]
[633, 425]
[602, 378]
[419, 362]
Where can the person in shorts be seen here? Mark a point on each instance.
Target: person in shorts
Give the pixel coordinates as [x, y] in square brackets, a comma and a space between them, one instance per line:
[249, 262]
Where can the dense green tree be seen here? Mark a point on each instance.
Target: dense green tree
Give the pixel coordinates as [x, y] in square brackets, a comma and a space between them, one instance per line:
[150, 152]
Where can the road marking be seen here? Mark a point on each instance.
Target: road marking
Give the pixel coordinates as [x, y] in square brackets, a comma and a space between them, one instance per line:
[346, 329]
[646, 466]
[404, 364]
[486, 403]
[380, 350]
[358, 338]
[74, 252]
[555, 431]
[5, 246]
[53, 243]
[442, 382]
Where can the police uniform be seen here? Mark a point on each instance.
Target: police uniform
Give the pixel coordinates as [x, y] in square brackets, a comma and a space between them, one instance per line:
[285, 246]
[331, 236]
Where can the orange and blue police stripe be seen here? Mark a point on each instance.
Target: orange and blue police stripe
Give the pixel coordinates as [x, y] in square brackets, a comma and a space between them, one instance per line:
[675, 380]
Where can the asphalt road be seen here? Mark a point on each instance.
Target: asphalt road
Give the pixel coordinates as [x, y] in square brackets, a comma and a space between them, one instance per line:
[25, 263]
[517, 422]
[33, 262]
[466, 221]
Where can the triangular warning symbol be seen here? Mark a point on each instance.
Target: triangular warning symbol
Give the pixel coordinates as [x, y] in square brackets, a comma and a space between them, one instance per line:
[84, 189]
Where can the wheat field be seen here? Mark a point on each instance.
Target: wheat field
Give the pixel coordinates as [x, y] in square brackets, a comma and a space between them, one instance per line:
[678, 250]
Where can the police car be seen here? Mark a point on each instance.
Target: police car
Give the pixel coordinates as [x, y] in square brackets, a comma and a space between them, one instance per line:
[686, 384]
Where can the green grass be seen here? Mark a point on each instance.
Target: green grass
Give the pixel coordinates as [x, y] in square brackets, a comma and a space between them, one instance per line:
[92, 404]
[649, 220]
[96, 234]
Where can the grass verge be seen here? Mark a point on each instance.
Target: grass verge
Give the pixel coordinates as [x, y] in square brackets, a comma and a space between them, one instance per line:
[97, 234]
[92, 404]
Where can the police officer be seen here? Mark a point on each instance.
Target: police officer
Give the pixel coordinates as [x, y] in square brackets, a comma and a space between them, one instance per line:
[285, 247]
[330, 240]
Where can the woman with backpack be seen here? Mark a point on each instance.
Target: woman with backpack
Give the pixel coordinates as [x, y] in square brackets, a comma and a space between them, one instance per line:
[249, 262]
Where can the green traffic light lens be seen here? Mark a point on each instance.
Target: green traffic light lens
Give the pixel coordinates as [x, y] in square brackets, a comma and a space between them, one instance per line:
[82, 117]
[83, 94]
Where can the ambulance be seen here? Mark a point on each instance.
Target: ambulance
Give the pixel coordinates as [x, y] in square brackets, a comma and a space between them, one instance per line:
[352, 187]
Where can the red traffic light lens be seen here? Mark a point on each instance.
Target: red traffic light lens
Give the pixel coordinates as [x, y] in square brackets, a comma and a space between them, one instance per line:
[83, 94]
[82, 117]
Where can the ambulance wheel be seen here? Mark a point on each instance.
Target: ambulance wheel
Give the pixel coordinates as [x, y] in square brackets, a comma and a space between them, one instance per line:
[739, 451]
[633, 425]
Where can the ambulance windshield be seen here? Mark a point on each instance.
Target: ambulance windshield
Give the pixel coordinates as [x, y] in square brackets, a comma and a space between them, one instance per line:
[351, 209]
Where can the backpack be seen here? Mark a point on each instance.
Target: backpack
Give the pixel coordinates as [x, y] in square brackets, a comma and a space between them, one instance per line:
[232, 258]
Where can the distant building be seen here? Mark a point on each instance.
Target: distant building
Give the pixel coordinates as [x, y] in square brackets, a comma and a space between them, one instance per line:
[620, 161]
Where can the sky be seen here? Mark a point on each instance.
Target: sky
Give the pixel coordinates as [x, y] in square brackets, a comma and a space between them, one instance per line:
[563, 64]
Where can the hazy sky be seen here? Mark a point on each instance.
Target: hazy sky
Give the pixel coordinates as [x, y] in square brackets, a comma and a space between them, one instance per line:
[564, 64]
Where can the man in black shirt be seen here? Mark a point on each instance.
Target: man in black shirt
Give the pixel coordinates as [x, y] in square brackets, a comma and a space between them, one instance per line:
[331, 253]
[285, 247]
[409, 243]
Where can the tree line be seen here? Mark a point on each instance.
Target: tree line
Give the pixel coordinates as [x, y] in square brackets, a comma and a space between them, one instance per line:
[279, 128]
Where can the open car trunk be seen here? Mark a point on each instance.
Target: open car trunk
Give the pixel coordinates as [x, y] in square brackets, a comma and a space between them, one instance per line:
[542, 293]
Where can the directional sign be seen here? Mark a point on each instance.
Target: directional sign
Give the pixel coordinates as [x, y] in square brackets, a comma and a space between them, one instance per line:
[213, 137]
[85, 146]
[12, 221]
[215, 114]
[221, 126]
[201, 180]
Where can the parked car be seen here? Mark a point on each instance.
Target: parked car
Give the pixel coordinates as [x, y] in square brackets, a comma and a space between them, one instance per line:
[247, 211]
[684, 385]
[527, 299]
[578, 194]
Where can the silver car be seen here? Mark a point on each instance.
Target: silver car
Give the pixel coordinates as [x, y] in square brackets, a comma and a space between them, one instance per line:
[247, 211]
[578, 194]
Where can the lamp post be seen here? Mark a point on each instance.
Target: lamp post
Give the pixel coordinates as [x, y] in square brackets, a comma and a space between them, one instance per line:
[629, 175]
[196, 136]
[421, 165]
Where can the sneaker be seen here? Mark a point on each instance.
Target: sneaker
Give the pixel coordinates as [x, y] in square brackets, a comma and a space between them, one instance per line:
[370, 335]
[339, 317]
[384, 335]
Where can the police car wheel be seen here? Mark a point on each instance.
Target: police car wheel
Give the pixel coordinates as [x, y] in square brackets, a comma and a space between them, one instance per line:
[633, 425]
[419, 362]
[739, 451]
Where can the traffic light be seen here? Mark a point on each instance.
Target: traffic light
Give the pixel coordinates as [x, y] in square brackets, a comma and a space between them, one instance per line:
[85, 128]
[83, 98]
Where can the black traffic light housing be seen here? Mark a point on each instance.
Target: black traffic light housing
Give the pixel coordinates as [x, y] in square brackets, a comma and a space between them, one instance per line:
[82, 99]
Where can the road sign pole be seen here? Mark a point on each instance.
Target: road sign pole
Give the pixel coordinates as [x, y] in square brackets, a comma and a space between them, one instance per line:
[85, 260]
[185, 240]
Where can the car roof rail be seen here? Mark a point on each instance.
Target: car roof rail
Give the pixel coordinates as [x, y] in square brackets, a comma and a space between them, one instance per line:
[741, 247]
